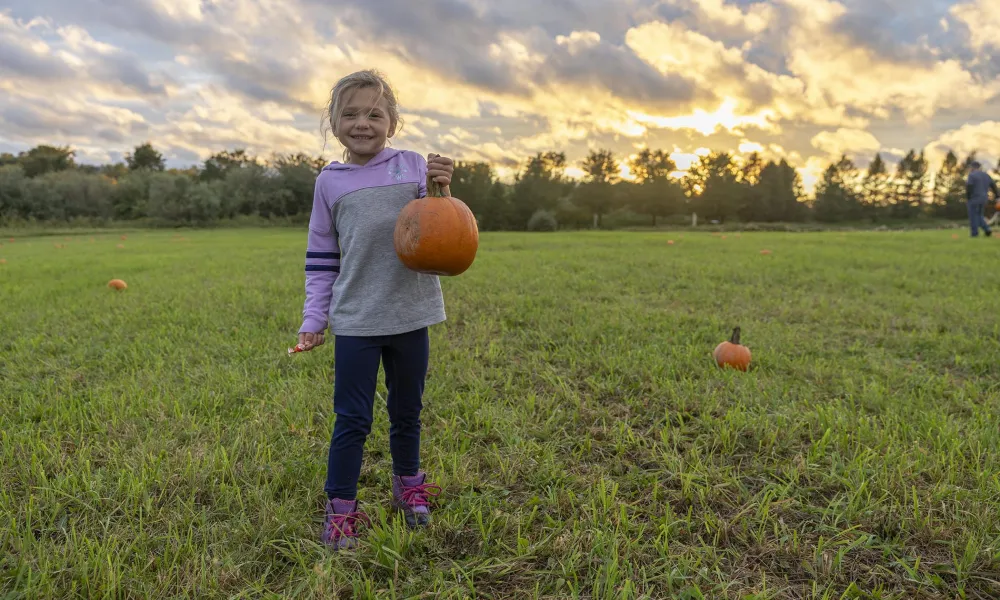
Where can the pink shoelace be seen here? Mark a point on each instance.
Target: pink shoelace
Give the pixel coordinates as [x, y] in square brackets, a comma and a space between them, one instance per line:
[343, 525]
[417, 495]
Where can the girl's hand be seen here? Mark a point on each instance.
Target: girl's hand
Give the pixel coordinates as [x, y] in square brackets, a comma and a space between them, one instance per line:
[440, 169]
[308, 341]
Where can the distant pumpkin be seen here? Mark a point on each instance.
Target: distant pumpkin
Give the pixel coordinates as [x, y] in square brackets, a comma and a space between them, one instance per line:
[732, 354]
[121, 245]
[117, 284]
[3, 261]
[765, 252]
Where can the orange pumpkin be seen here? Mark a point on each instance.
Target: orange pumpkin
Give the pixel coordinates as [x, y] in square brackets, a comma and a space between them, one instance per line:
[117, 284]
[997, 205]
[437, 234]
[732, 354]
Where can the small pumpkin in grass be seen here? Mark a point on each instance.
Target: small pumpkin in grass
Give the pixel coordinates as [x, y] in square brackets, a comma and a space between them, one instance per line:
[117, 284]
[732, 354]
[765, 252]
[436, 234]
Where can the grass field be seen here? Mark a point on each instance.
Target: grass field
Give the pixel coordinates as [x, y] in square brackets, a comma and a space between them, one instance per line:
[158, 442]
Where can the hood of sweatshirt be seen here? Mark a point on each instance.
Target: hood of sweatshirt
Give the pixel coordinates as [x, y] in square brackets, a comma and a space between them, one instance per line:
[381, 158]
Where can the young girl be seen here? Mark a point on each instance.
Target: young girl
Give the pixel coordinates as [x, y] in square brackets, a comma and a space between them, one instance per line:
[377, 309]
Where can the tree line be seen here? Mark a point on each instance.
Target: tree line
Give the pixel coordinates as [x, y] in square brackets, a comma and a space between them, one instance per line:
[45, 184]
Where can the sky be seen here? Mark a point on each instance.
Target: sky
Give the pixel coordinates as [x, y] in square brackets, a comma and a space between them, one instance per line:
[803, 80]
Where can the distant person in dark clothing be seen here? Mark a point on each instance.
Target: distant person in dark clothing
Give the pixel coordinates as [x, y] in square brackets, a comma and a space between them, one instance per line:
[977, 194]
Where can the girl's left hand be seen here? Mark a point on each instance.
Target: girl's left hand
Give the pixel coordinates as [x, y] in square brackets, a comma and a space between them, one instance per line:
[440, 168]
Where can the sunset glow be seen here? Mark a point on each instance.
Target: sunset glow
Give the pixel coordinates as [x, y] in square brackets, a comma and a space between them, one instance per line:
[801, 80]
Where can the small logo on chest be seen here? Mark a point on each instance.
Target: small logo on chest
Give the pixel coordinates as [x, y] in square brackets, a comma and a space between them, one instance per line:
[397, 171]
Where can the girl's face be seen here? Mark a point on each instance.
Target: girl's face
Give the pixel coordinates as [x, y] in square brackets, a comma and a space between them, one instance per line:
[364, 124]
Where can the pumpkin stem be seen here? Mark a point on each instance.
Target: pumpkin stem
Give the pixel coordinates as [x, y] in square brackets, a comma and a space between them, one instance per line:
[736, 337]
[433, 188]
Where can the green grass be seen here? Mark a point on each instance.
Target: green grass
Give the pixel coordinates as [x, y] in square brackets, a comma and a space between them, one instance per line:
[159, 442]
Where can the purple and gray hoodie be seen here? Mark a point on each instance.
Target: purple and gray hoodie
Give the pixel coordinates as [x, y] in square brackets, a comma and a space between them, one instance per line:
[355, 283]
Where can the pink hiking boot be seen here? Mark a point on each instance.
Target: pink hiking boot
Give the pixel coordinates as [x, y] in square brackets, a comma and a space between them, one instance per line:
[411, 495]
[339, 529]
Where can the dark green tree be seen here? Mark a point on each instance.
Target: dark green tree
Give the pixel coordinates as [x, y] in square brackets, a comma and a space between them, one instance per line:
[650, 165]
[145, 157]
[837, 195]
[910, 188]
[875, 189]
[777, 196]
[46, 159]
[597, 193]
[949, 189]
[539, 185]
[713, 183]
[218, 165]
[655, 194]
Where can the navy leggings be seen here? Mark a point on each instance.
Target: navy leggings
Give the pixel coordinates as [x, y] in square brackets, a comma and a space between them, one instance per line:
[404, 357]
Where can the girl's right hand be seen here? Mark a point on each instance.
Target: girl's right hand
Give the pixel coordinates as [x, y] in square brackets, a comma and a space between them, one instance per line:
[308, 341]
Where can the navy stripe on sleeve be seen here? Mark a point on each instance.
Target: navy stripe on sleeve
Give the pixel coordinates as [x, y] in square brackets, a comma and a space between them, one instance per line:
[326, 255]
[327, 268]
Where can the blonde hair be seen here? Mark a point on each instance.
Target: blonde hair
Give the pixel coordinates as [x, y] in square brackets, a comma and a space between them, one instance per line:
[369, 78]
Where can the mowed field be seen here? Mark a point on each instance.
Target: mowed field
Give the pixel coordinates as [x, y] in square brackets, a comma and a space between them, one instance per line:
[160, 443]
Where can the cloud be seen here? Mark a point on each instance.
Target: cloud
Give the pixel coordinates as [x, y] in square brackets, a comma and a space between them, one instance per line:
[982, 19]
[855, 76]
[720, 17]
[462, 49]
[982, 138]
[37, 53]
[852, 142]
[498, 81]
[582, 59]
[59, 120]
[900, 30]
